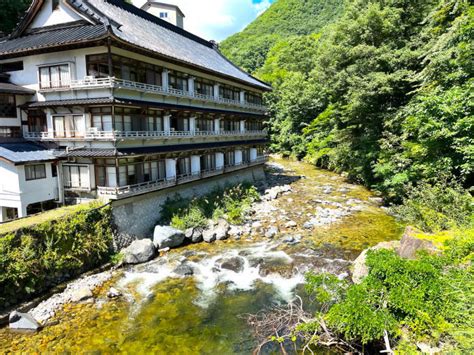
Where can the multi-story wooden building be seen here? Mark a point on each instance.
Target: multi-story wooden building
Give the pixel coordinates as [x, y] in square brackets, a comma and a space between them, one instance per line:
[130, 103]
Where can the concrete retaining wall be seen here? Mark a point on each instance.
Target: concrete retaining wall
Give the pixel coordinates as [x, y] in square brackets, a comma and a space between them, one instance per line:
[136, 217]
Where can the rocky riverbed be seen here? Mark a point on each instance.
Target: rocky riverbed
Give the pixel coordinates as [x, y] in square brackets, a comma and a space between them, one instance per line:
[192, 298]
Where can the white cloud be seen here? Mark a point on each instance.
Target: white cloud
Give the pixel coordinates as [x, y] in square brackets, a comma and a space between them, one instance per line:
[217, 19]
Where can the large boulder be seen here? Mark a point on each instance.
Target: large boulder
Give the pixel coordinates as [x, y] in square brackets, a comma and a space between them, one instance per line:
[167, 237]
[209, 235]
[411, 244]
[82, 294]
[359, 267]
[184, 270]
[235, 264]
[23, 321]
[222, 229]
[140, 251]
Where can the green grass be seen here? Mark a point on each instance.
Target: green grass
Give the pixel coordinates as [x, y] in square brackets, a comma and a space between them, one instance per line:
[26, 222]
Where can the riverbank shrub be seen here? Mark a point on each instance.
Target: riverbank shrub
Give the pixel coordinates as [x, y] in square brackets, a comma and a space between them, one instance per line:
[231, 204]
[425, 300]
[36, 258]
[438, 207]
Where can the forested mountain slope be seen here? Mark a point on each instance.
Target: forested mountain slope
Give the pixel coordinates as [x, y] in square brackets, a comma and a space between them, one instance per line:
[283, 19]
[384, 93]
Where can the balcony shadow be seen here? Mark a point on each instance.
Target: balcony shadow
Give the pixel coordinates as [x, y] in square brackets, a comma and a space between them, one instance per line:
[275, 176]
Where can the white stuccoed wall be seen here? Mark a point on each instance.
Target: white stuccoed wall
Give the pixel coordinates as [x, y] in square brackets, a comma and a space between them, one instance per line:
[195, 164]
[62, 14]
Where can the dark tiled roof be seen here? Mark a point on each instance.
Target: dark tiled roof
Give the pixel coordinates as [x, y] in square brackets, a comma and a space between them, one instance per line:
[144, 30]
[103, 153]
[23, 151]
[53, 38]
[130, 25]
[56, 103]
[9, 88]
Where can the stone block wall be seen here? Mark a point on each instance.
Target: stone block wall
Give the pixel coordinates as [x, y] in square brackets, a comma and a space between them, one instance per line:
[136, 217]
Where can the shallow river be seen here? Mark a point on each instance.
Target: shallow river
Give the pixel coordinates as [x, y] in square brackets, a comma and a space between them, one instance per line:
[162, 312]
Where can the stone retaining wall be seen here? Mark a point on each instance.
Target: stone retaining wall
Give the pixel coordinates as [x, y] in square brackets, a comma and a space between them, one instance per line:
[135, 217]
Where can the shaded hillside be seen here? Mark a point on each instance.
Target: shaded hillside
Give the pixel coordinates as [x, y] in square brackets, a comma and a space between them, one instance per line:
[283, 19]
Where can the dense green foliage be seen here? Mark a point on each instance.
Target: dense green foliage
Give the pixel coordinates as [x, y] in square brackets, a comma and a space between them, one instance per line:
[36, 258]
[231, 204]
[424, 300]
[385, 93]
[438, 207]
[285, 18]
[12, 10]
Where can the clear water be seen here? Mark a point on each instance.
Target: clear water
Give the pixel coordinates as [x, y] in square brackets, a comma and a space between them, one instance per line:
[161, 312]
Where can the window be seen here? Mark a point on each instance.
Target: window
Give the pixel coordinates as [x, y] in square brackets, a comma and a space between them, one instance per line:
[9, 67]
[204, 87]
[230, 93]
[102, 118]
[36, 121]
[253, 125]
[203, 124]
[55, 4]
[76, 177]
[55, 76]
[178, 81]
[97, 65]
[253, 98]
[163, 15]
[7, 105]
[69, 126]
[10, 132]
[35, 172]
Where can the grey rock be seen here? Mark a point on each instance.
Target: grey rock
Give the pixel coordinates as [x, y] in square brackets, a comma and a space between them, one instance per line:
[23, 321]
[113, 293]
[222, 229]
[360, 269]
[188, 233]
[376, 200]
[167, 237]
[290, 224]
[209, 235]
[140, 251]
[81, 295]
[271, 232]
[197, 235]
[235, 264]
[411, 244]
[184, 270]
[308, 225]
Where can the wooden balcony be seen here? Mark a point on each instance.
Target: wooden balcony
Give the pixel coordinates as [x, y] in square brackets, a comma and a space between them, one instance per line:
[116, 193]
[91, 83]
[94, 135]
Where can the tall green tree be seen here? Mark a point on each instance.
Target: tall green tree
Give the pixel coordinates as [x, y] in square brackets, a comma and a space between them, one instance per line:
[11, 12]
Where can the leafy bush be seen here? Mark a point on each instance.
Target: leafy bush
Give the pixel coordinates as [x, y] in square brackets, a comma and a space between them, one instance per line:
[438, 207]
[231, 204]
[428, 299]
[37, 257]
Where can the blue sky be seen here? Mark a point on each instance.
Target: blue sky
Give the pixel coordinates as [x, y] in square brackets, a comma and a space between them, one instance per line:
[217, 19]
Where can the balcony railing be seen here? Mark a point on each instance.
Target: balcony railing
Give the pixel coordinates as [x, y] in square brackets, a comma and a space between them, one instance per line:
[137, 189]
[115, 135]
[103, 83]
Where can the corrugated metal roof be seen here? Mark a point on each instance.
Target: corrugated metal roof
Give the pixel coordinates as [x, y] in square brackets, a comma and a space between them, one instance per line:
[24, 152]
[56, 37]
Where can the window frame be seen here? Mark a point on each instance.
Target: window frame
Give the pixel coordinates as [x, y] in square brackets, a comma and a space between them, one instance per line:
[12, 106]
[35, 172]
[62, 83]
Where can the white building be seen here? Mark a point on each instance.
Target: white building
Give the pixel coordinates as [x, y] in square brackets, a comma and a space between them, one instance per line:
[131, 104]
[166, 12]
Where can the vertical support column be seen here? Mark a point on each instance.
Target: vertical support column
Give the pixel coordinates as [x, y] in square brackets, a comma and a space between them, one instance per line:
[219, 160]
[191, 85]
[217, 125]
[242, 126]
[192, 124]
[170, 169]
[167, 123]
[60, 178]
[165, 79]
[195, 164]
[253, 154]
[3, 214]
[22, 211]
[242, 97]
[238, 157]
[49, 122]
[216, 90]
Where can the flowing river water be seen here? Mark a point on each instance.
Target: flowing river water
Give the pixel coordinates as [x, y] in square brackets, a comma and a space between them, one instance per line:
[323, 224]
